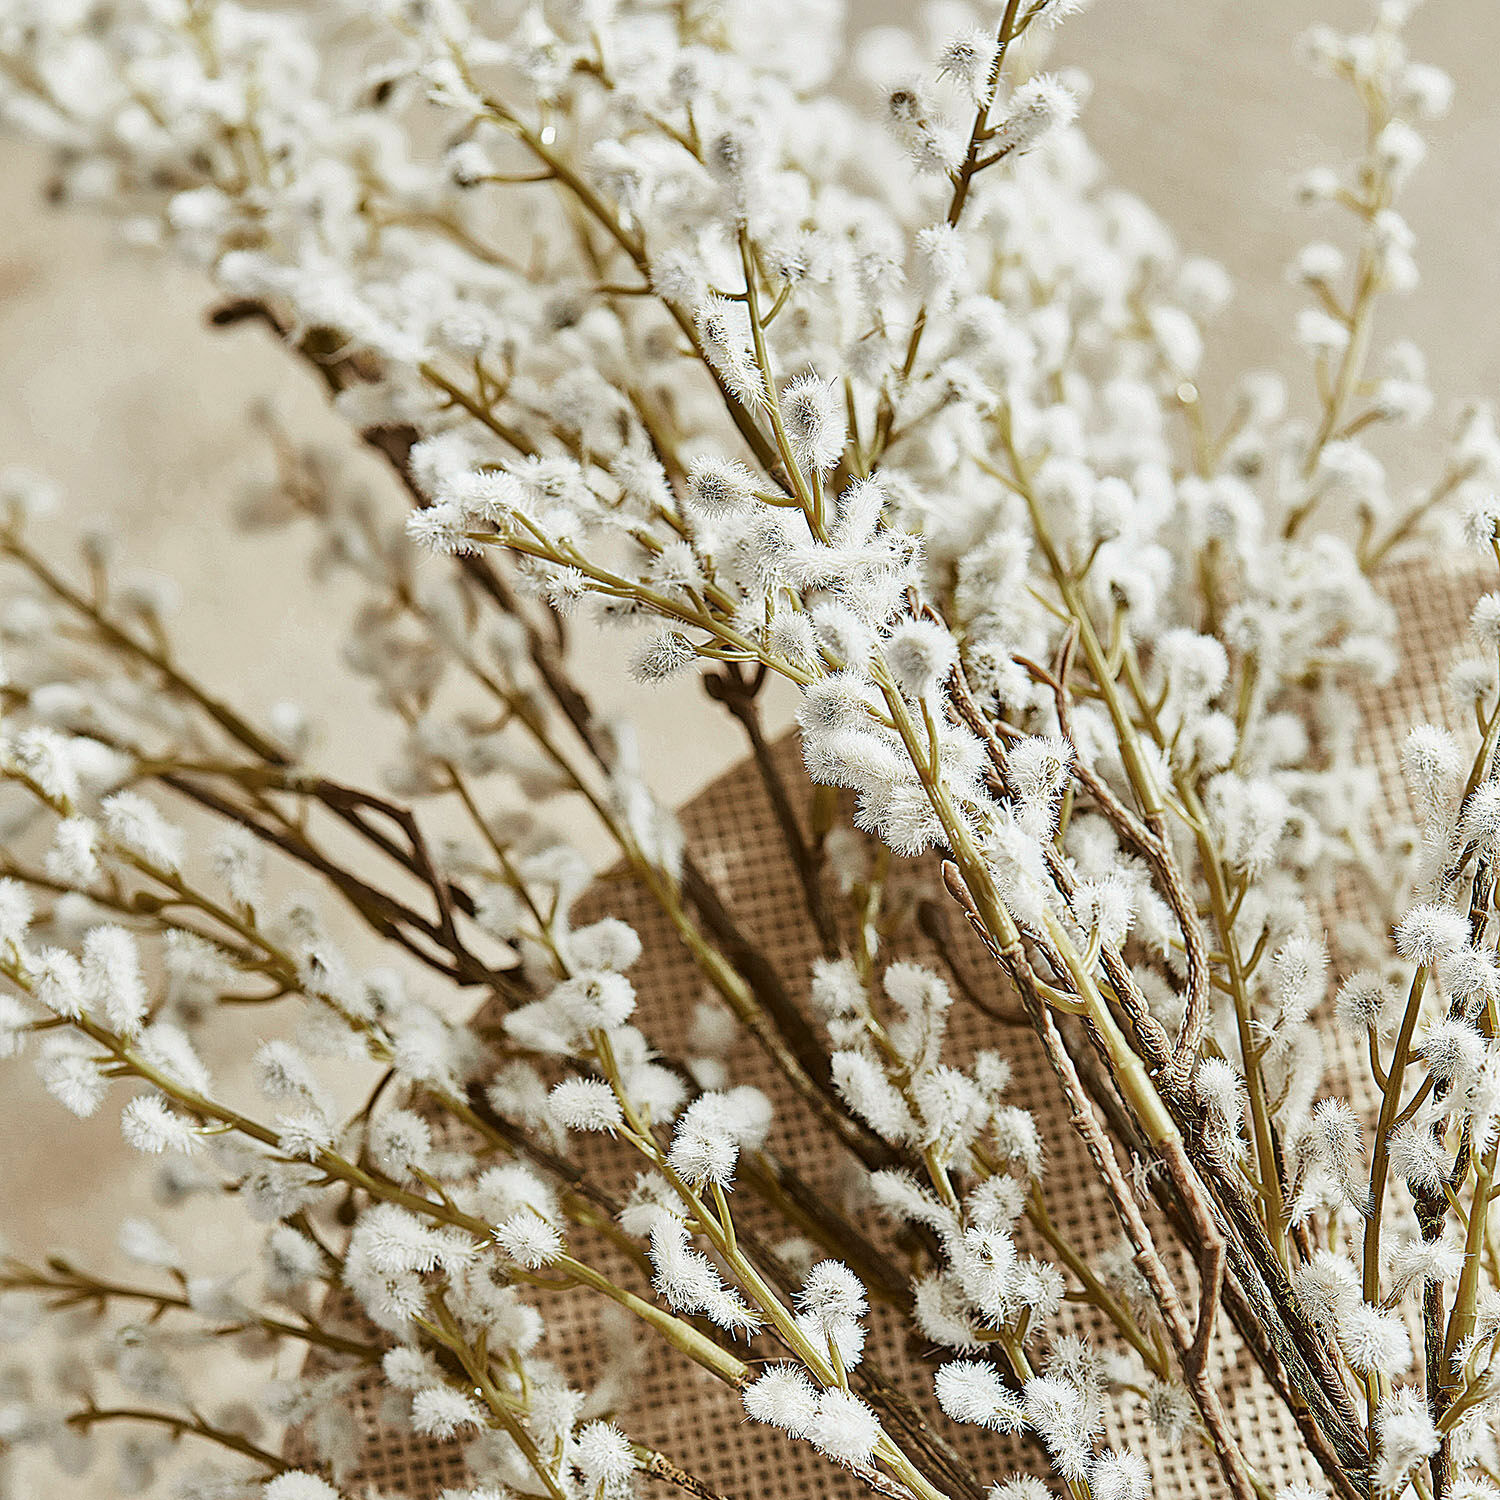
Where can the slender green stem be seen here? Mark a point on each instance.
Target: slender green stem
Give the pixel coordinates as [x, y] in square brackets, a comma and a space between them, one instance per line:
[1390, 1104]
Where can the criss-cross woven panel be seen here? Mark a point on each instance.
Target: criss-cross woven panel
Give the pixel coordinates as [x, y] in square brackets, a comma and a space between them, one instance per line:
[682, 1411]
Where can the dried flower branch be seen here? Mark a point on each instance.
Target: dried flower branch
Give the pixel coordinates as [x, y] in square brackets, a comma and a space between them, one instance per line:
[908, 420]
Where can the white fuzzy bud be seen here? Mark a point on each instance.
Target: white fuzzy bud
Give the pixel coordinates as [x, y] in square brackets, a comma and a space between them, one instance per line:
[933, 145]
[1480, 824]
[1425, 90]
[606, 944]
[663, 656]
[1399, 150]
[1417, 1158]
[73, 857]
[968, 59]
[813, 415]
[1429, 931]
[941, 256]
[585, 1104]
[782, 1397]
[725, 335]
[1412, 1262]
[1374, 1340]
[845, 1428]
[1220, 1091]
[529, 1239]
[969, 1391]
[112, 978]
[873, 1097]
[1323, 336]
[1405, 1436]
[150, 1126]
[831, 1294]
[690, 1283]
[1325, 1286]
[1363, 1002]
[605, 1459]
[400, 1141]
[1454, 1051]
[1042, 105]
[136, 825]
[720, 487]
[1060, 1412]
[1316, 185]
[704, 1148]
[1119, 1474]
[1432, 763]
[1469, 976]
[920, 654]
[1319, 264]
[239, 861]
[439, 1411]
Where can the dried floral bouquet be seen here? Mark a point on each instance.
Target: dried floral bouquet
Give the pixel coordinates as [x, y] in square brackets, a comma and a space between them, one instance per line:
[895, 400]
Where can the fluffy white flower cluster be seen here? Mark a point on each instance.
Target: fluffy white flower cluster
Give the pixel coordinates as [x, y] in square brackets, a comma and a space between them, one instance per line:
[882, 390]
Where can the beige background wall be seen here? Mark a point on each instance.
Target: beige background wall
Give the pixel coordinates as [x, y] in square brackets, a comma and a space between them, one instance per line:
[109, 381]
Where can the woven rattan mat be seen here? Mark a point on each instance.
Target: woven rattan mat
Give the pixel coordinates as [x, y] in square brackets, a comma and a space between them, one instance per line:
[682, 1410]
